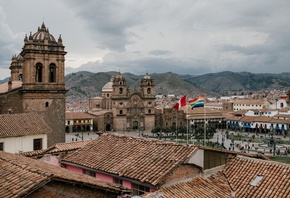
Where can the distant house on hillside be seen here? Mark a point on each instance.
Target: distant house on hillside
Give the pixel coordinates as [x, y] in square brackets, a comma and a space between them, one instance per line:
[23, 132]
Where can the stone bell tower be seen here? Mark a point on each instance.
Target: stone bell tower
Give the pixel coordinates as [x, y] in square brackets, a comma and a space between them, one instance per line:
[147, 87]
[43, 83]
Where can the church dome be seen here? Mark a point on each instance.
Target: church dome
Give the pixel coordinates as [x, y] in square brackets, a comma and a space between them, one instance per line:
[108, 87]
[42, 34]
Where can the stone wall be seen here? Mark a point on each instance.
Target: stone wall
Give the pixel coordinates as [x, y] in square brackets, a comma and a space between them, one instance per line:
[10, 102]
[54, 116]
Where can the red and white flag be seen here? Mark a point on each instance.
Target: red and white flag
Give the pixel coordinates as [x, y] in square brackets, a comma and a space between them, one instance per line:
[180, 103]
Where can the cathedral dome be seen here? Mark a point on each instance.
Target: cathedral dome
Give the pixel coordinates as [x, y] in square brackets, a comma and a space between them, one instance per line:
[42, 34]
[108, 87]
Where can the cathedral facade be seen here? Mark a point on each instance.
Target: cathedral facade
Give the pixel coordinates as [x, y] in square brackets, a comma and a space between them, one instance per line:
[37, 82]
[125, 109]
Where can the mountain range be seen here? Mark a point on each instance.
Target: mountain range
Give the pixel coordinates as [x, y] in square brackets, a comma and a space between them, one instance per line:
[87, 84]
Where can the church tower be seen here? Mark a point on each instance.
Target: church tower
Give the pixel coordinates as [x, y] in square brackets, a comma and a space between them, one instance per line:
[147, 87]
[43, 83]
[119, 101]
[16, 68]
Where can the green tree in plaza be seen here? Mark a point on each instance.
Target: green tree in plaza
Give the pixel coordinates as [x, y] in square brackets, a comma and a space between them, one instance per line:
[181, 130]
[199, 131]
[156, 130]
[173, 129]
[166, 130]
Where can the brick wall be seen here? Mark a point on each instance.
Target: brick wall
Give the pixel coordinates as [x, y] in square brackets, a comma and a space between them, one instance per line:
[183, 172]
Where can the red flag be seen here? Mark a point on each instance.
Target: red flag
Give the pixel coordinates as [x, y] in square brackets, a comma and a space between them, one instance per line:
[180, 103]
[176, 106]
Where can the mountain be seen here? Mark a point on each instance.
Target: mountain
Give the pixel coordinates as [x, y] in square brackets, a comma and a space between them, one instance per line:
[87, 84]
[4, 80]
[228, 82]
[223, 83]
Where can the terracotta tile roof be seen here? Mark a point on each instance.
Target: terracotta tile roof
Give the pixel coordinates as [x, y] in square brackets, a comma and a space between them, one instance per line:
[32, 153]
[242, 173]
[68, 146]
[77, 115]
[285, 109]
[255, 119]
[58, 147]
[233, 118]
[144, 159]
[280, 121]
[21, 175]
[239, 112]
[213, 187]
[258, 119]
[281, 116]
[249, 101]
[213, 104]
[22, 124]
[100, 112]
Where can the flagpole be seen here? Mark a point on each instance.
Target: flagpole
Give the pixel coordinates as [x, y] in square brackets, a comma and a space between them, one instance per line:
[176, 126]
[204, 111]
[187, 121]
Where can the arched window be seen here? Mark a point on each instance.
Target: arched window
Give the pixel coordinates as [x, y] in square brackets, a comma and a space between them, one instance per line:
[121, 90]
[121, 112]
[149, 110]
[20, 77]
[38, 75]
[52, 73]
[148, 90]
[46, 104]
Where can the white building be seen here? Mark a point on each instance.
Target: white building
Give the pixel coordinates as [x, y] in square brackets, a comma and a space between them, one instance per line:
[23, 132]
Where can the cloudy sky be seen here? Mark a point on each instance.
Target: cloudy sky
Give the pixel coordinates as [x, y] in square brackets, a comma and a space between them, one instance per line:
[146, 36]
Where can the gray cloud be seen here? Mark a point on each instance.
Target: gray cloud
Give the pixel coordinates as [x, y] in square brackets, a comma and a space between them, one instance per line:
[186, 37]
[159, 52]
